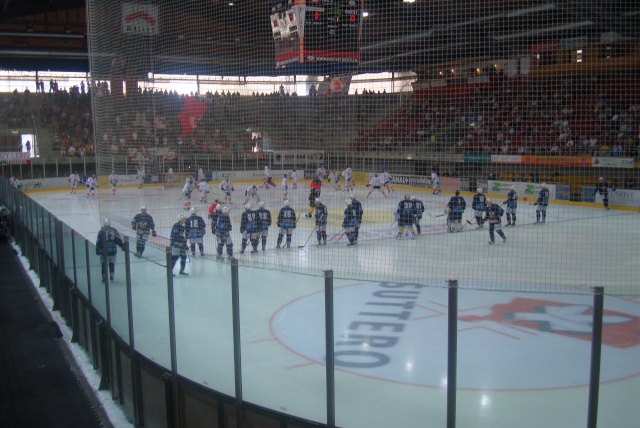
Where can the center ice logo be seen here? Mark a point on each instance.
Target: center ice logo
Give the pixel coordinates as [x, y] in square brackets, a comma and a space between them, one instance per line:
[506, 340]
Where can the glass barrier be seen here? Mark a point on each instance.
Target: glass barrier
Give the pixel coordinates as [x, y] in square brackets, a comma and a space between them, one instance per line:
[54, 246]
[150, 306]
[118, 297]
[81, 265]
[282, 335]
[67, 246]
[98, 286]
[204, 325]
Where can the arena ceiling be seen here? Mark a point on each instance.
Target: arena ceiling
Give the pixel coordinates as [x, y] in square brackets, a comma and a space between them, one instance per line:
[395, 36]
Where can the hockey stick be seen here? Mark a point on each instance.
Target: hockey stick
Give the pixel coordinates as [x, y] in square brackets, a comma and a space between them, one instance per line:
[339, 237]
[307, 241]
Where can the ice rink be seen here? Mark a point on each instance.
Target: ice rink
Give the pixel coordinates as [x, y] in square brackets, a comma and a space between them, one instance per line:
[524, 310]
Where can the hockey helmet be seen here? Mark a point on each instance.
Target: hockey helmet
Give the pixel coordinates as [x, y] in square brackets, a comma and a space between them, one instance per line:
[318, 200]
[601, 179]
[225, 210]
[193, 211]
[106, 222]
[413, 198]
[261, 204]
[375, 175]
[488, 201]
[407, 196]
[512, 187]
[352, 196]
[543, 185]
[247, 206]
[286, 202]
[181, 217]
[143, 208]
[348, 201]
[479, 190]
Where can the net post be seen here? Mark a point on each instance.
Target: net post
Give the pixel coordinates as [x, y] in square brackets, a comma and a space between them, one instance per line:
[596, 350]
[237, 347]
[330, 352]
[452, 352]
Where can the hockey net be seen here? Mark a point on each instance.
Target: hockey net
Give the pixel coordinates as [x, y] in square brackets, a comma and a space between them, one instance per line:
[175, 179]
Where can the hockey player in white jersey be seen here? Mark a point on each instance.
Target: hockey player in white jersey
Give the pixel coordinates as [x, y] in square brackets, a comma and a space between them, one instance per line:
[295, 176]
[74, 179]
[203, 188]
[251, 193]
[189, 187]
[284, 186]
[348, 177]
[375, 184]
[92, 183]
[113, 181]
[227, 187]
[387, 181]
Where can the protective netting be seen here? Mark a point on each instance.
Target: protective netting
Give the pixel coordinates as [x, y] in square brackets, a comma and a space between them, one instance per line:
[527, 104]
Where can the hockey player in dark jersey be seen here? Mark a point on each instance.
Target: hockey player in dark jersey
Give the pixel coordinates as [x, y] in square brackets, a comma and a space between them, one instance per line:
[264, 221]
[223, 232]
[349, 222]
[286, 223]
[456, 207]
[542, 203]
[195, 229]
[249, 229]
[602, 188]
[494, 212]
[217, 210]
[357, 205]
[419, 211]
[321, 222]
[143, 224]
[405, 216]
[479, 205]
[107, 247]
[315, 187]
[512, 205]
[178, 244]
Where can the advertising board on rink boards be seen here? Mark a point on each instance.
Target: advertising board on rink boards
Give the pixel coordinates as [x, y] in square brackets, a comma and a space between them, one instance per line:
[624, 197]
[524, 190]
[612, 162]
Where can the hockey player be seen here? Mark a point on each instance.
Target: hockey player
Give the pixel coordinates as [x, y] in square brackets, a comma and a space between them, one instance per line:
[14, 182]
[113, 181]
[456, 207]
[286, 222]
[321, 173]
[227, 187]
[195, 230]
[294, 178]
[348, 176]
[74, 179]
[321, 222]
[249, 229]
[178, 244]
[143, 224]
[223, 232]
[435, 181]
[512, 205]
[357, 206]
[419, 211]
[107, 247]
[284, 186]
[264, 221]
[213, 206]
[268, 178]
[602, 188]
[334, 179]
[375, 184]
[494, 213]
[479, 205]
[406, 215]
[140, 176]
[542, 203]
[201, 176]
[189, 187]
[92, 183]
[349, 222]
[217, 210]
[251, 193]
[315, 188]
[387, 181]
[203, 189]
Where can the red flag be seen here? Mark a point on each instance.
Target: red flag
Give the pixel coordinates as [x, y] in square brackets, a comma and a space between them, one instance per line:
[192, 112]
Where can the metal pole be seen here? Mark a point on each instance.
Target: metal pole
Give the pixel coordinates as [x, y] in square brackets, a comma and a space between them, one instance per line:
[596, 350]
[172, 342]
[137, 399]
[237, 354]
[329, 343]
[452, 355]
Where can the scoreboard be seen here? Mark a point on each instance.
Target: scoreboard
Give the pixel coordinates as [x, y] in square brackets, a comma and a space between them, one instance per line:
[308, 31]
